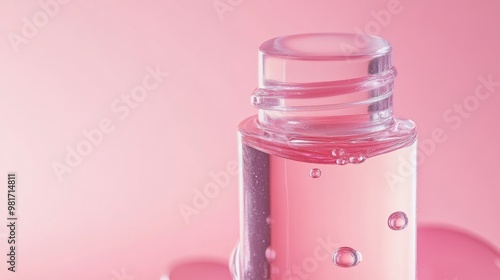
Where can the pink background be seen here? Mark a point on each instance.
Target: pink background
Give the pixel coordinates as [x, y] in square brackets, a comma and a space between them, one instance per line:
[118, 211]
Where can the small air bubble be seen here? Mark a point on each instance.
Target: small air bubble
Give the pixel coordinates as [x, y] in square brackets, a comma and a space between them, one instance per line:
[357, 159]
[397, 220]
[338, 153]
[270, 254]
[346, 257]
[315, 173]
[341, 161]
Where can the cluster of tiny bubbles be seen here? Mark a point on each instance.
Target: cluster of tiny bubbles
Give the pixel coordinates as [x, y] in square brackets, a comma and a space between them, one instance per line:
[270, 254]
[346, 257]
[341, 158]
[397, 220]
[315, 173]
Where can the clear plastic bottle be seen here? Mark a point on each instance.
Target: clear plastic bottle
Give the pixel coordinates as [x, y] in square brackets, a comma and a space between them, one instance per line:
[328, 175]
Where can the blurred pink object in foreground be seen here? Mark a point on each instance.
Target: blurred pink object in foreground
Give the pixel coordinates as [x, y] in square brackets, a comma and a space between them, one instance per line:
[199, 270]
[448, 254]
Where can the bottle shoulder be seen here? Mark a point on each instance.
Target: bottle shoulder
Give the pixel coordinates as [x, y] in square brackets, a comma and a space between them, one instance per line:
[328, 149]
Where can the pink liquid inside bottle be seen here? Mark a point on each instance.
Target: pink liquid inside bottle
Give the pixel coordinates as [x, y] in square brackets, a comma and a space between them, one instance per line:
[328, 175]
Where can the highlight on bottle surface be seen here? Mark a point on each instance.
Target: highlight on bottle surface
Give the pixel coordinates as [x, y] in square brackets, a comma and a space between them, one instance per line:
[318, 194]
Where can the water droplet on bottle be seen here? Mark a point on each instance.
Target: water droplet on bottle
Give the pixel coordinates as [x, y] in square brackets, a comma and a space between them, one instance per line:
[268, 220]
[341, 161]
[315, 173]
[398, 220]
[270, 254]
[356, 159]
[346, 257]
[338, 152]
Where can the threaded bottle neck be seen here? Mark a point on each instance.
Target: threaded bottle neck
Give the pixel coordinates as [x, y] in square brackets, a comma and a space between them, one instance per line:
[325, 84]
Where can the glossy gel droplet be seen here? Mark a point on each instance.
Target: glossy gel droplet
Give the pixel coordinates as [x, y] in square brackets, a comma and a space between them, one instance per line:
[398, 220]
[346, 257]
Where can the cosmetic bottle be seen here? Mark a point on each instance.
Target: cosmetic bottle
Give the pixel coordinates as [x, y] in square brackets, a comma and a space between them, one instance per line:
[327, 173]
